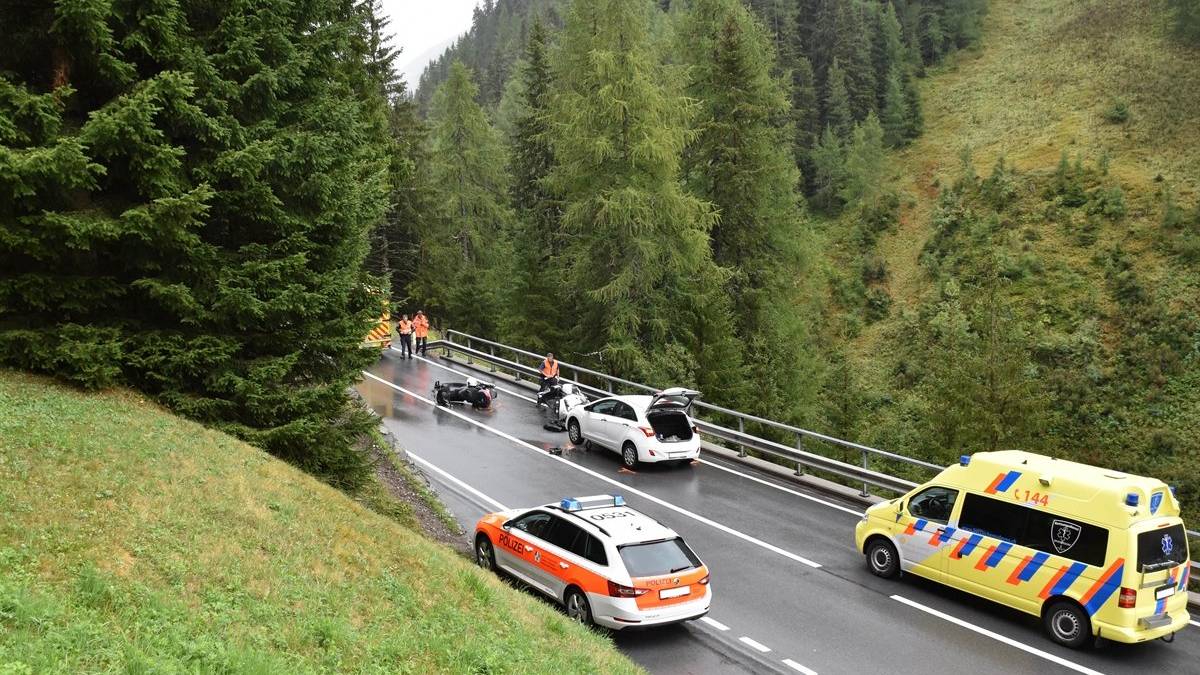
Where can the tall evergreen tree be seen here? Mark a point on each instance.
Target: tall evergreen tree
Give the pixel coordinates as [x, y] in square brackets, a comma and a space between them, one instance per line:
[855, 26]
[189, 215]
[533, 305]
[829, 171]
[864, 164]
[638, 261]
[740, 162]
[894, 115]
[837, 102]
[462, 247]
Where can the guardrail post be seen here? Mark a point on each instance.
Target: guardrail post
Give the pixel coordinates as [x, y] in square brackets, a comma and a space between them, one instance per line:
[741, 430]
[492, 365]
[866, 492]
[468, 354]
[608, 385]
[800, 447]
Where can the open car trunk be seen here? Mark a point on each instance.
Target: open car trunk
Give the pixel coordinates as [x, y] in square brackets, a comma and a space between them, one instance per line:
[670, 426]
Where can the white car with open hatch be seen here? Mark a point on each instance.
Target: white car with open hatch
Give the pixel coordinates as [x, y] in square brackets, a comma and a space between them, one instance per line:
[641, 428]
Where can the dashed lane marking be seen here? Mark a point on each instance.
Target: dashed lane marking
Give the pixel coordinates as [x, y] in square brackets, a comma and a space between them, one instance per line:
[488, 500]
[755, 644]
[626, 488]
[801, 668]
[714, 623]
[998, 637]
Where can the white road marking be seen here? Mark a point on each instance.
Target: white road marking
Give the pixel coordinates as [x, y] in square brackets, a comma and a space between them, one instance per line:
[714, 623]
[756, 479]
[755, 644]
[796, 666]
[1197, 625]
[459, 483]
[811, 498]
[998, 637]
[625, 488]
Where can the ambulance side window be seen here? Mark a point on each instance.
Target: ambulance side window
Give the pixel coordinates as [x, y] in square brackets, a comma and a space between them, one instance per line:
[935, 503]
[993, 518]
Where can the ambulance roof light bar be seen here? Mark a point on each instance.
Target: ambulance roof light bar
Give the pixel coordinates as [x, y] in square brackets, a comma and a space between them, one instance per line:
[593, 502]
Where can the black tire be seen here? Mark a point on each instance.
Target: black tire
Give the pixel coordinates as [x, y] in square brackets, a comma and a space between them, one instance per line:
[1067, 624]
[577, 606]
[629, 456]
[574, 433]
[882, 558]
[485, 555]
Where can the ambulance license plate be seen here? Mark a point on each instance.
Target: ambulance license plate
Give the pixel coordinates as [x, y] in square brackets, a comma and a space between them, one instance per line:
[1164, 592]
[673, 592]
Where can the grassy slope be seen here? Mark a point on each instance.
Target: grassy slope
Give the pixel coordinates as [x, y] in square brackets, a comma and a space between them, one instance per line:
[1039, 83]
[136, 541]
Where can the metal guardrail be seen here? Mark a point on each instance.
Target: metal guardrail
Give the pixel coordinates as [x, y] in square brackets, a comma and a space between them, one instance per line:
[472, 347]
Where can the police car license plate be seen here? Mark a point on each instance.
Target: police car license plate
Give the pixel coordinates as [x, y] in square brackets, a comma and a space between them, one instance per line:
[673, 592]
[1164, 592]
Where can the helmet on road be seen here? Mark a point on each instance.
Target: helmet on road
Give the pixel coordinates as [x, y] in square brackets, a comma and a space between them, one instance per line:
[568, 389]
[472, 382]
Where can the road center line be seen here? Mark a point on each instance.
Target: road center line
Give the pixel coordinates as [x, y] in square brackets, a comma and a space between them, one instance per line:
[796, 666]
[702, 461]
[459, 483]
[714, 623]
[625, 488]
[755, 644]
[998, 637]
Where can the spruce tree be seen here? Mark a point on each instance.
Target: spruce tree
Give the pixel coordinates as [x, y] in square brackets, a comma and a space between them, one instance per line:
[188, 215]
[855, 26]
[864, 164]
[837, 102]
[894, 114]
[532, 306]
[888, 51]
[463, 246]
[642, 282]
[741, 163]
[829, 171]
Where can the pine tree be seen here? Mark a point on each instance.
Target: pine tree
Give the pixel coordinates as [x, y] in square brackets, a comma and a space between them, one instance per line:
[837, 102]
[463, 248]
[413, 203]
[533, 307]
[829, 171]
[864, 164]
[888, 51]
[894, 114]
[806, 113]
[189, 216]
[740, 162]
[638, 264]
[854, 52]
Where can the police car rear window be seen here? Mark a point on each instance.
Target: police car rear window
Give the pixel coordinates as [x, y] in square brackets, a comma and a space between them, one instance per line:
[1162, 549]
[658, 558]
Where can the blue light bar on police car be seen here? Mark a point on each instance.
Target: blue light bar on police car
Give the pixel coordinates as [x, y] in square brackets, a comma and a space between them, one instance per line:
[593, 502]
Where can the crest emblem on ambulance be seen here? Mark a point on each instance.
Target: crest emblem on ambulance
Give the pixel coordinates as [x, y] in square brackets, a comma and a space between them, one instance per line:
[1155, 502]
[1064, 535]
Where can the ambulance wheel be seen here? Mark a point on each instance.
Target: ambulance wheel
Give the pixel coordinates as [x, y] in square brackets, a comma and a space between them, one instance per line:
[1068, 624]
[577, 606]
[883, 559]
[629, 455]
[573, 432]
[485, 556]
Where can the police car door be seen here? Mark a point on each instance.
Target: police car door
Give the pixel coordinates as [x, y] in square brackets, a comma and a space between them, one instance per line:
[561, 539]
[520, 551]
[926, 533]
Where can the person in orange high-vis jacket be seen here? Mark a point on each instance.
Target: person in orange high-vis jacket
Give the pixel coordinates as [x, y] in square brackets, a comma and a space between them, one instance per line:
[549, 369]
[404, 327]
[421, 331]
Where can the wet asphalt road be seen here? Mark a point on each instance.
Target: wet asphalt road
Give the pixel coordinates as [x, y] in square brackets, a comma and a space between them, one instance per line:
[755, 537]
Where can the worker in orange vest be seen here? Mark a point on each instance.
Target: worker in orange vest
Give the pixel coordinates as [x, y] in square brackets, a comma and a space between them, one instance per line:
[405, 328]
[549, 369]
[421, 331]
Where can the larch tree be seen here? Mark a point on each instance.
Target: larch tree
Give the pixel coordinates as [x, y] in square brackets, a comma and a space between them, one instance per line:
[638, 270]
[463, 246]
[186, 190]
[741, 163]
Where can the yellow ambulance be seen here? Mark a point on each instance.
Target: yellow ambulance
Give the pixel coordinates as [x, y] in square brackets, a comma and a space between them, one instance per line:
[1092, 552]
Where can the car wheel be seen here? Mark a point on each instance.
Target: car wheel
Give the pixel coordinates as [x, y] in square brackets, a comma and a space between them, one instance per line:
[573, 432]
[485, 556]
[1068, 624]
[629, 455]
[577, 607]
[882, 559]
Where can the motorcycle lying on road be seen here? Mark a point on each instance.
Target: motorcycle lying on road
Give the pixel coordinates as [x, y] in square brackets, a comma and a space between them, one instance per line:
[479, 395]
[557, 397]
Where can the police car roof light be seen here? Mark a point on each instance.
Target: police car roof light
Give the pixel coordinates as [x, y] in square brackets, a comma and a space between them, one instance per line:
[570, 505]
[1131, 499]
[964, 459]
[618, 500]
[593, 502]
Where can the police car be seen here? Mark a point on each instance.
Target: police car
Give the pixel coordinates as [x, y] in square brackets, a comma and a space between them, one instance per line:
[605, 562]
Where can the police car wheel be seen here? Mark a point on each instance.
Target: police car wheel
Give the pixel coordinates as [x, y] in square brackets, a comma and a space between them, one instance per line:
[629, 456]
[578, 608]
[1067, 624]
[883, 559]
[574, 433]
[485, 557]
